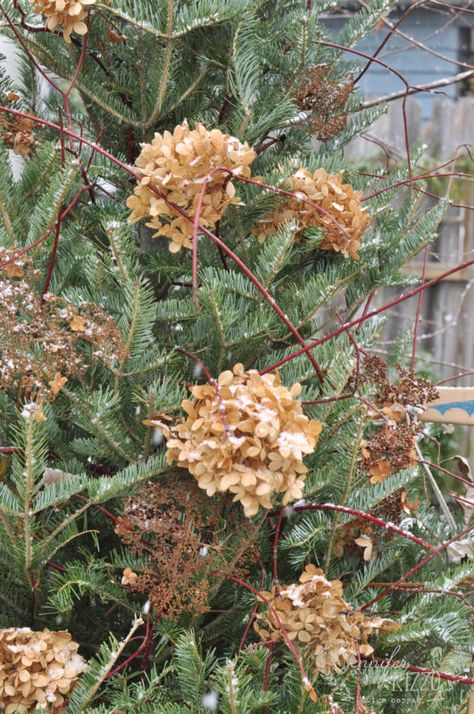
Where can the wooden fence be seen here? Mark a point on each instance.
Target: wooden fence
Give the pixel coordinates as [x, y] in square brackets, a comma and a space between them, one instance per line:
[446, 334]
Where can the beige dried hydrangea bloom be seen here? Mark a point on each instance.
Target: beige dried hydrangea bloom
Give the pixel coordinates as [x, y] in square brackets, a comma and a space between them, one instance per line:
[328, 631]
[37, 669]
[176, 165]
[246, 434]
[341, 205]
[68, 14]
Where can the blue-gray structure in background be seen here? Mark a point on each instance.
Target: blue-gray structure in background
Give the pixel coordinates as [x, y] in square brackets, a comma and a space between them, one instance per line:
[449, 33]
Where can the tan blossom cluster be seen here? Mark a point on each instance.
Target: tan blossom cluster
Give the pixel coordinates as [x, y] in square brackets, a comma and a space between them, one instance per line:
[338, 211]
[41, 342]
[67, 14]
[325, 99]
[322, 625]
[246, 434]
[174, 167]
[37, 669]
[17, 133]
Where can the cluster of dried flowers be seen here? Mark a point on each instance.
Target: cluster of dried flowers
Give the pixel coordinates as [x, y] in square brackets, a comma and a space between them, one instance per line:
[174, 168]
[325, 99]
[335, 207]
[37, 669]
[392, 448]
[17, 133]
[360, 533]
[66, 14]
[315, 616]
[40, 340]
[176, 528]
[246, 434]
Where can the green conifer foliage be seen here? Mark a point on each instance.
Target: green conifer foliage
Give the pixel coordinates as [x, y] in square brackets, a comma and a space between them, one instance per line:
[104, 532]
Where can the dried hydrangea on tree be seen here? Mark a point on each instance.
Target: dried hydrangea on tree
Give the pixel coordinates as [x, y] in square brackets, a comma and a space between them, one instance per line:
[174, 167]
[334, 206]
[319, 621]
[69, 15]
[246, 434]
[37, 669]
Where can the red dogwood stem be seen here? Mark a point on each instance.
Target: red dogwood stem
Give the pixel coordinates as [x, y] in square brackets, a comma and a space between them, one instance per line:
[367, 516]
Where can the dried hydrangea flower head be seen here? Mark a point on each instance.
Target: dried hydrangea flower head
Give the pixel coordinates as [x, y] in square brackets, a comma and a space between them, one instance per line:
[326, 629]
[390, 450]
[340, 208]
[246, 434]
[68, 14]
[176, 166]
[37, 669]
[41, 345]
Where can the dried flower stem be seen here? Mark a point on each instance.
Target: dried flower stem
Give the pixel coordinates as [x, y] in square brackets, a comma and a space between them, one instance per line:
[420, 565]
[135, 654]
[275, 614]
[368, 316]
[361, 514]
[460, 679]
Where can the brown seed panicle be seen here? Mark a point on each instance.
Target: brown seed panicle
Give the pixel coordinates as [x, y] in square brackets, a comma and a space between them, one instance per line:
[179, 532]
[340, 208]
[37, 669]
[40, 341]
[325, 99]
[176, 165]
[66, 14]
[328, 632]
[392, 448]
[246, 434]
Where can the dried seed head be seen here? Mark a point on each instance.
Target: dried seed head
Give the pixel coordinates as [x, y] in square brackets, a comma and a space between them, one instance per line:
[42, 344]
[326, 100]
[36, 669]
[174, 167]
[338, 211]
[171, 525]
[246, 434]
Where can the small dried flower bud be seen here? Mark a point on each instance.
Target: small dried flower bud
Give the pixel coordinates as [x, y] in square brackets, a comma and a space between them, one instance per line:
[129, 577]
